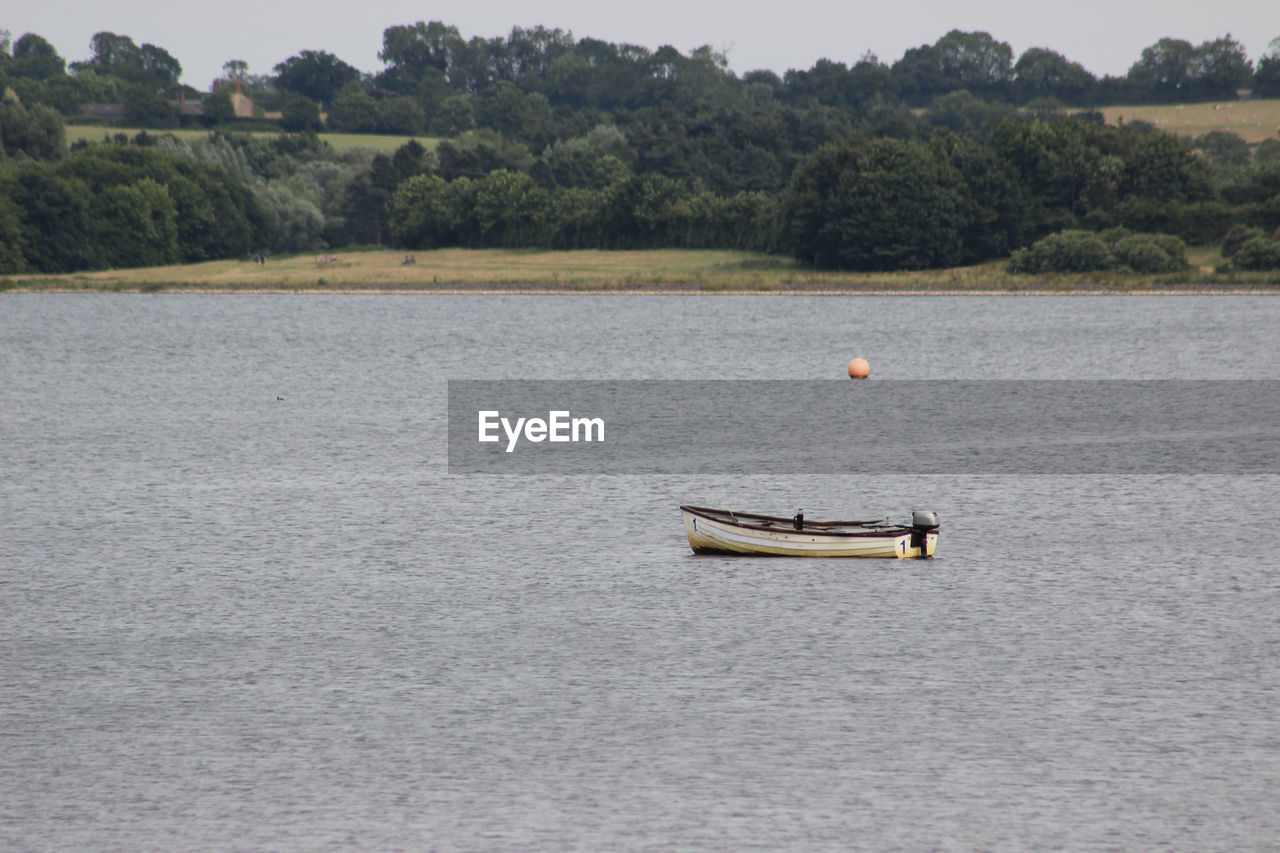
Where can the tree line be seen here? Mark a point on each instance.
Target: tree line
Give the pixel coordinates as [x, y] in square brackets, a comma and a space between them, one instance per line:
[437, 81]
[566, 143]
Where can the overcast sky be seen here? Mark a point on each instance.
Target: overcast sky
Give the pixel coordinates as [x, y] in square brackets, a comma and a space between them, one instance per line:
[1105, 36]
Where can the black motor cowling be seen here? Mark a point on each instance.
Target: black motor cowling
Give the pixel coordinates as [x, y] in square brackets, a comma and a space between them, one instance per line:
[923, 520]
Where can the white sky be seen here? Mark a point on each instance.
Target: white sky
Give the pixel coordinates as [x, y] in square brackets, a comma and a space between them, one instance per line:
[1105, 36]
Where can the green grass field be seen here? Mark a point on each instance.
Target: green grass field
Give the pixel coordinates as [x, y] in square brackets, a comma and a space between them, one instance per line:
[339, 141]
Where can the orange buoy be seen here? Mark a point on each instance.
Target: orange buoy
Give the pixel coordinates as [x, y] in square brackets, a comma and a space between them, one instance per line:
[859, 369]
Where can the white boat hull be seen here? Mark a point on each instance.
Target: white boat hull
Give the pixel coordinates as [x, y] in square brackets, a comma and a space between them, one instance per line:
[709, 535]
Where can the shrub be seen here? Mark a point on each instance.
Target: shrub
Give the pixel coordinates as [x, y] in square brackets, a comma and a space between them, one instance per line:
[1236, 237]
[1085, 251]
[1066, 251]
[1257, 253]
[1151, 253]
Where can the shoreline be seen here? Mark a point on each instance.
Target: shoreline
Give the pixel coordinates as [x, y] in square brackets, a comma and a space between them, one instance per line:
[621, 272]
[1243, 290]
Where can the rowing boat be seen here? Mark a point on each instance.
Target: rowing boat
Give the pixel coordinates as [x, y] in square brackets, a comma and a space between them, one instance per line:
[722, 531]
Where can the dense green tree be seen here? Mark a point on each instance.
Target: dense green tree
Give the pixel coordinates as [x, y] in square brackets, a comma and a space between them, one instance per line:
[827, 82]
[56, 229]
[593, 161]
[421, 215]
[1220, 68]
[528, 54]
[144, 106]
[400, 116]
[994, 205]
[409, 159]
[300, 113]
[639, 210]
[875, 205]
[296, 179]
[1225, 152]
[1172, 71]
[1266, 77]
[872, 84]
[1258, 185]
[1159, 166]
[525, 117]
[35, 58]
[868, 83]
[112, 203]
[961, 113]
[1043, 73]
[159, 65]
[959, 60]
[1267, 152]
[412, 51]
[510, 209]
[577, 217]
[11, 241]
[315, 74]
[117, 56]
[1164, 70]
[36, 133]
[1060, 170]
[235, 69]
[353, 110]
[478, 153]
[453, 117]
[218, 107]
[135, 224]
[366, 205]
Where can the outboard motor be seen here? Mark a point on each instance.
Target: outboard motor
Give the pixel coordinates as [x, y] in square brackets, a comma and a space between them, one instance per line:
[922, 520]
[922, 524]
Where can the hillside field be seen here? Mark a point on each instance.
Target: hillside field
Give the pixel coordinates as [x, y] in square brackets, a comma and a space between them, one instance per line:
[1251, 120]
[339, 141]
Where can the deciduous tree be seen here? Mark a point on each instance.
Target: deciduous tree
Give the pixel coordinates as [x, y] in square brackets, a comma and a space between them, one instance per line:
[315, 74]
[875, 205]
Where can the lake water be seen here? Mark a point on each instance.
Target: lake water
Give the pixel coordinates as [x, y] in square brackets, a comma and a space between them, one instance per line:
[244, 606]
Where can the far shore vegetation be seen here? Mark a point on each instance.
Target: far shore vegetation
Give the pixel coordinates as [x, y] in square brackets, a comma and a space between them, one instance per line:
[540, 160]
[654, 270]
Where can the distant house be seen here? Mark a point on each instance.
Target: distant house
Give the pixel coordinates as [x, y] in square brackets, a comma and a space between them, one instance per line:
[240, 102]
[189, 108]
[108, 112]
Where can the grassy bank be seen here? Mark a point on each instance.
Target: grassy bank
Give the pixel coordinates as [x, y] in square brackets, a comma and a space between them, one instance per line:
[339, 141]
[655, 270]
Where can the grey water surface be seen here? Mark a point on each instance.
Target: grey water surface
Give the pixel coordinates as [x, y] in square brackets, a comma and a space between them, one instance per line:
[244, 605]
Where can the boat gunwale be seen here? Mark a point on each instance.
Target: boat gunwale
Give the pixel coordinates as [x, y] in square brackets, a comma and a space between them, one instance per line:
[730, 518]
